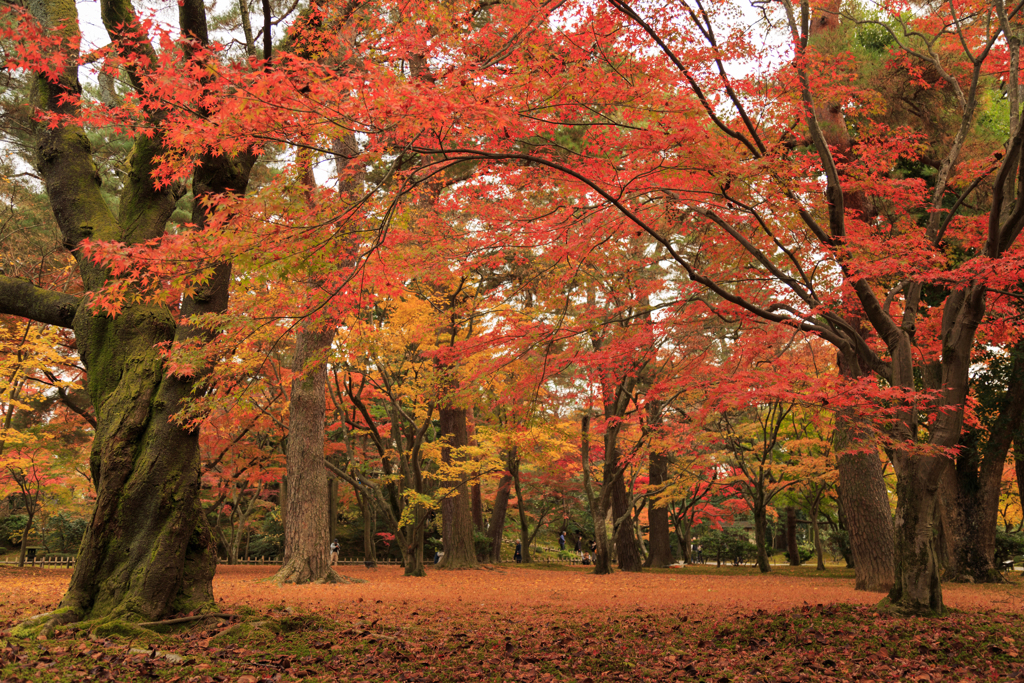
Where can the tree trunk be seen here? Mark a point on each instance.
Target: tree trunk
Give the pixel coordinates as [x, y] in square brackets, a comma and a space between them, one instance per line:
[23, 546]
[598, 504]
[369, 531]
[918, 568]
[819, 550]
[657, 516]
[147, 552]
[306, 540]
[478, 508]
[791, 544]
[622, 518]
[524, 537]
[865, 504]
[496, 528]
[625, 540]
[456, 513]
[685, 542]
[412, 549]
[332, 508]
[760, 534]
[603, 551]
[979, 472]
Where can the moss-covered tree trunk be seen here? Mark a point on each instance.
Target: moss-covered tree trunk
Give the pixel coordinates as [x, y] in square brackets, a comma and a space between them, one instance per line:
[147, 552]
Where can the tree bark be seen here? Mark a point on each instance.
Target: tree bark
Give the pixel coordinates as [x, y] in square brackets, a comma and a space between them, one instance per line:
[979, 473]
[524, 522]
[791, 544]
[306, 535]
[496, 528]
[657, 513]
[864, 498]
[918, 568]
[760, 535]
[369, 531]
[456, 511]
[819, 550]
[625, 539]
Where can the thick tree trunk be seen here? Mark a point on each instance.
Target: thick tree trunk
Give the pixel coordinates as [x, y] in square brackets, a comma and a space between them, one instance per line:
[979, 472]
[456, 512]
[918, 567]
[657, 516]
[860, 475]
[625, 540]
[791, 544]
[622, 518]
[306, 540]
[369, 531]
[865, 502]
[148, 551]
[412, 549]
[760, 534]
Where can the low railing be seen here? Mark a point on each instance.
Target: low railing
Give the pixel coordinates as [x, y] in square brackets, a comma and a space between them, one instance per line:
[41, 561]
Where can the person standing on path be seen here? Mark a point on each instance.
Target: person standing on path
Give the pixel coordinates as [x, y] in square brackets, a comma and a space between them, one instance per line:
[561, 541]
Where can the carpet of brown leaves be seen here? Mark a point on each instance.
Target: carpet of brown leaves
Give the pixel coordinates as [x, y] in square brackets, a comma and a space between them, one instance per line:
[520, 623]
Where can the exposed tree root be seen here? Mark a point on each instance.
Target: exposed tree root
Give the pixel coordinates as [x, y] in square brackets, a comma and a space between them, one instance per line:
[185, 620]
[45, 624]
[299, 572]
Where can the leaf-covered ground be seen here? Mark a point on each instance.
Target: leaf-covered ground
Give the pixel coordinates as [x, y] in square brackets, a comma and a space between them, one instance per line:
[520, 623]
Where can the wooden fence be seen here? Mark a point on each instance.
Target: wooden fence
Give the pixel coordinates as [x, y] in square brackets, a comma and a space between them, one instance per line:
[69, 561]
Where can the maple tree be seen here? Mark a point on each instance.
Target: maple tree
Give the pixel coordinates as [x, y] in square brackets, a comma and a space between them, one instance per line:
[759, 211]
[569, 182]
[148, 522]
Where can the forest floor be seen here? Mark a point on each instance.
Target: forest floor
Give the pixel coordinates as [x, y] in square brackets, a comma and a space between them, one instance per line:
[534, 623]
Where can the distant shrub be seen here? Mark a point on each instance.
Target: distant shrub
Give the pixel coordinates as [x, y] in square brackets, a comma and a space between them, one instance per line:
[1008, 546]
[729, 546]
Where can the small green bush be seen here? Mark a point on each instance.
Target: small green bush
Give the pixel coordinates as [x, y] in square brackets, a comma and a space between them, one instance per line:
[1008, 546]
[805, 551]
[730, 545]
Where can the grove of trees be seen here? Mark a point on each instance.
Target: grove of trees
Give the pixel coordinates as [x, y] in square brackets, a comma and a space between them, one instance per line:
[488, 267]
